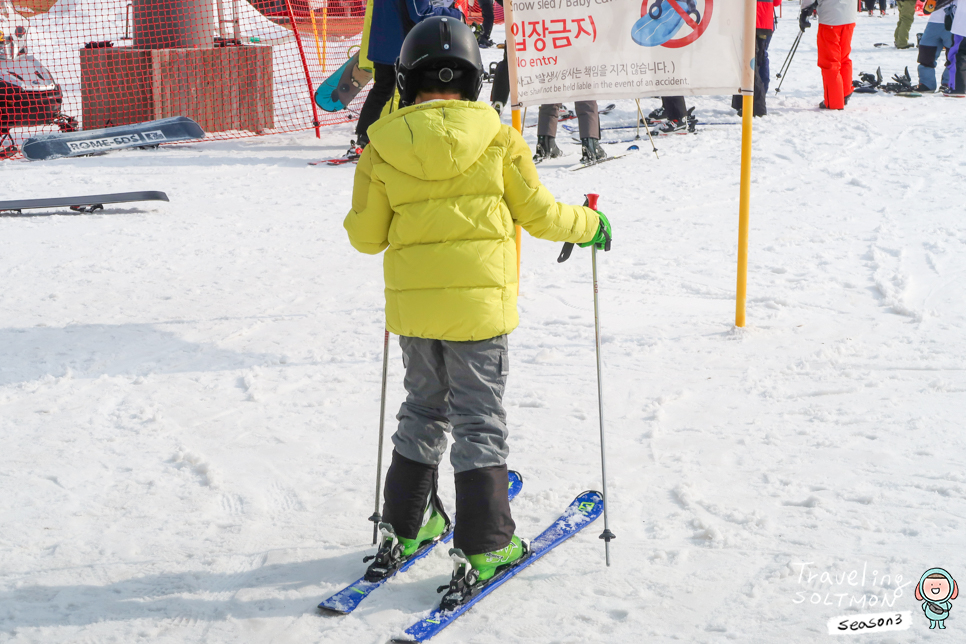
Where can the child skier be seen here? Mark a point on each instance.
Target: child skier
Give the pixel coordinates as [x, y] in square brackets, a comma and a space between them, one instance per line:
[441, 185]
[836, 22]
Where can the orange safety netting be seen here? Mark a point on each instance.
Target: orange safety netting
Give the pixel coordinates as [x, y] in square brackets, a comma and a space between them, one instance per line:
[237, 67]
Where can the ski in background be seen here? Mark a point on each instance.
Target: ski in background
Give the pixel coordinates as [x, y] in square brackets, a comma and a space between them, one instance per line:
[582, 166]
[562, 155]
[582, 511]
[348, 599]
[136, 135]
[610, 128]
[82, 204]
[352, 156]
[337, 91]
[343, 160]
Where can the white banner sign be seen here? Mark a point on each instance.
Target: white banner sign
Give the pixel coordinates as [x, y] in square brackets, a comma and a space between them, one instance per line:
[600, 49]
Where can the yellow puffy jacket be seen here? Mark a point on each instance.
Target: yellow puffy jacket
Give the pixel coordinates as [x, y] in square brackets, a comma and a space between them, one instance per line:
[441, 184]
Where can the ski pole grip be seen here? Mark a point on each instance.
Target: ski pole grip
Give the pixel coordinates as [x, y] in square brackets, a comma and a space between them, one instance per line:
[590, 200]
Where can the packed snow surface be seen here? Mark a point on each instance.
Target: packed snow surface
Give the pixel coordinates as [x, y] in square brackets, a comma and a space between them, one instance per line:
[189, 391]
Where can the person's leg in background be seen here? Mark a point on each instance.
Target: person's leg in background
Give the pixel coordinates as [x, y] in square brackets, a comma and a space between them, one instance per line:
[907, 14]
[845, 59]
[383, 86]
[486, 8]
[829, 61]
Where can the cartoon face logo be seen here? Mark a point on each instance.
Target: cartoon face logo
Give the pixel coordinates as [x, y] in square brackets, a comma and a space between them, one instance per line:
[662, 20]
[936, 590]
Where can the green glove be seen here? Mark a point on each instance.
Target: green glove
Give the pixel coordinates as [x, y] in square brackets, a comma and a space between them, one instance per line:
[603, 237]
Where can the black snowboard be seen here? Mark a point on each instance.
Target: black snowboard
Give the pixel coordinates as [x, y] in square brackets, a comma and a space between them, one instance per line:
[72, 144]
[86, 203]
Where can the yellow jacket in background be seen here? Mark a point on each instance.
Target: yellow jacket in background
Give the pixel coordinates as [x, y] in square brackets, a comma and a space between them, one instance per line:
[364, 62]
[442, 184]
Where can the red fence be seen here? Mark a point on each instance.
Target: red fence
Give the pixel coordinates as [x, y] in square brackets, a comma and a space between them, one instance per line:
[239, 68]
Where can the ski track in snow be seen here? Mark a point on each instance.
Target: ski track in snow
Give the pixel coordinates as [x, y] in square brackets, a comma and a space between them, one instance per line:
[189, 391]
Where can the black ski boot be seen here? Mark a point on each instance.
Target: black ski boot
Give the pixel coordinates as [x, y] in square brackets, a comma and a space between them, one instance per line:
[591, 152]
[546, 148]
[655, 116]
[671, 126]
[356, 147]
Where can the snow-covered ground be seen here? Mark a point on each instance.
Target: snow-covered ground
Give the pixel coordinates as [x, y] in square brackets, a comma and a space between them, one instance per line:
[189, 391]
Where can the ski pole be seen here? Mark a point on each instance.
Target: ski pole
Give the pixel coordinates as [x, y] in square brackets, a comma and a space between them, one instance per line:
[606, 535]
[376, 517]
[791, 52]
[788, 61]
[647, 128]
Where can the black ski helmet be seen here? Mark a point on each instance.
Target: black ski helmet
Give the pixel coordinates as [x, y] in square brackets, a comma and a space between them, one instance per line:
[439, 52]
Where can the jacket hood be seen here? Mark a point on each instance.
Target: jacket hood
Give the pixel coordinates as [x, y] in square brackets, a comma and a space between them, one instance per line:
[933, 571]
[437, 140]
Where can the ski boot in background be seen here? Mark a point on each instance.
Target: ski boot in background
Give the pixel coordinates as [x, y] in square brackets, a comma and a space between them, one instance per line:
[591, 152]
[471, 573]
[655, 117]
[356, 147]
[395, 550]
[672, 126]
[498, 106]
[546, 148]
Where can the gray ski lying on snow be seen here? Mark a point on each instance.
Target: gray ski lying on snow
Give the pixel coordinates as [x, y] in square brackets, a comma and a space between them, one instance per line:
[87, 203]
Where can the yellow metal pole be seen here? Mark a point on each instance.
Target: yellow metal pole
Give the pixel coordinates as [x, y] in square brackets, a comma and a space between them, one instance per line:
[744, 198]
[318, 50]
[511, 61]
[744, 208]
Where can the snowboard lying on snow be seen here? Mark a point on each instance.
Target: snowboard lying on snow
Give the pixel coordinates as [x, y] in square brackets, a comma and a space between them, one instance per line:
[136, 135]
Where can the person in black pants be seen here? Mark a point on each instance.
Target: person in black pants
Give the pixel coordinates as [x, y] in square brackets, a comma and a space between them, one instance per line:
[870, 5]
[762, 38]
[383, 86]
[673, 111]
[486, 8]
[500, 93]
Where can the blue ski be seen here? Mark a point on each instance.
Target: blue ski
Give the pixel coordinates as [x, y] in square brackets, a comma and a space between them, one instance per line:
[348, 599]
[581, 513]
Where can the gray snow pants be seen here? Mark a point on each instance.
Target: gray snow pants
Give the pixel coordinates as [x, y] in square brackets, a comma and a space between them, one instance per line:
[457, 387]
[588, 120]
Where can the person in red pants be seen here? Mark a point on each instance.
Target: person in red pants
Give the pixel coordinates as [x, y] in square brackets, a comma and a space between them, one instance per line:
[836, 22]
